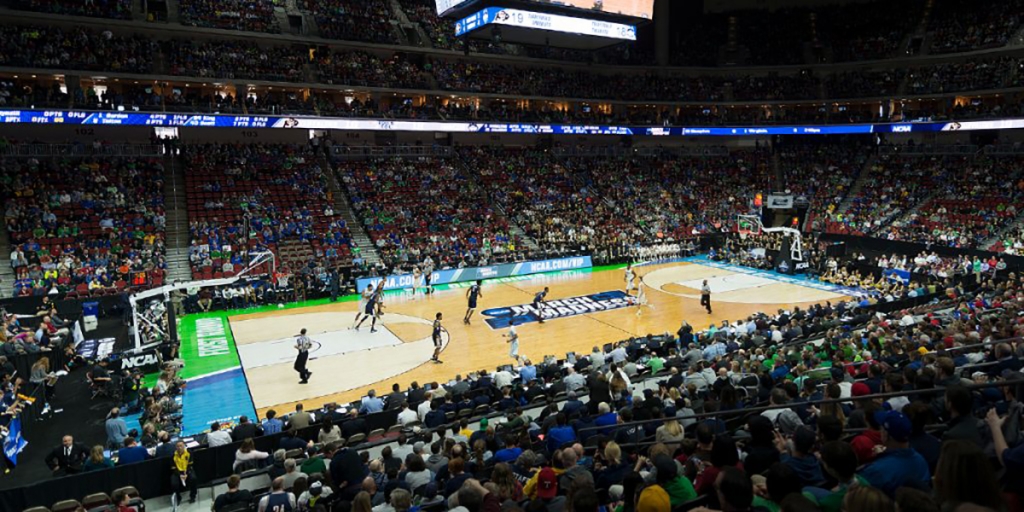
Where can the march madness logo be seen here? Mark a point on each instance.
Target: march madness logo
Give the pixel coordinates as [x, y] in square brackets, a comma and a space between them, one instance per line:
[501, 318]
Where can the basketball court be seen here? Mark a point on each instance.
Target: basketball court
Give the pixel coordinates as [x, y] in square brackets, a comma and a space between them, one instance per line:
[584, 309]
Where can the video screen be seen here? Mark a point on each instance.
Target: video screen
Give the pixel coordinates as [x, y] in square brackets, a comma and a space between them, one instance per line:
[635, 8]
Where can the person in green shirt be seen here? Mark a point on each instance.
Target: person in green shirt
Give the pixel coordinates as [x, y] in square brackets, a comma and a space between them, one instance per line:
[839, 460]
[313, 464]
[655, 363]
[679, 488]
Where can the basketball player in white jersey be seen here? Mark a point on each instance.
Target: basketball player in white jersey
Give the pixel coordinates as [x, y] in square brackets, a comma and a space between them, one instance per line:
[417, 280]
[641, 297]
[630, 277]
[513, 340]
[363, 299]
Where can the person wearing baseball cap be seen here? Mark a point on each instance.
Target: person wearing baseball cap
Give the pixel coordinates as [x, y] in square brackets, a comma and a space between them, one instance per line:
[653, 499]
[899, 465]
[547, 484]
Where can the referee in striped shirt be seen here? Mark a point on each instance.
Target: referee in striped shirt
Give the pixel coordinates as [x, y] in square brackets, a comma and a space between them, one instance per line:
[303, 344]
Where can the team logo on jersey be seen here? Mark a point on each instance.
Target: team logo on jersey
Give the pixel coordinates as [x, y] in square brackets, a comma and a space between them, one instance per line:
[502, 318]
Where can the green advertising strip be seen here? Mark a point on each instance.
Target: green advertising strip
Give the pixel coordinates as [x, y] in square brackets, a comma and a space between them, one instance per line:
[206, 344]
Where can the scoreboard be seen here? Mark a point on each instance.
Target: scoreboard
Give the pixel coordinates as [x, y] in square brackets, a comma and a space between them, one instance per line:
[544, 21]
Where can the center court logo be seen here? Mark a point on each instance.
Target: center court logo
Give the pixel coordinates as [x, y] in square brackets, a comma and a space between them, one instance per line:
[499, 318]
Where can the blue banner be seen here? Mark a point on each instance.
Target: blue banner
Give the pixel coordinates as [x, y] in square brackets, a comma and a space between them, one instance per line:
[14, 443]
[458, 275]
[333, 123]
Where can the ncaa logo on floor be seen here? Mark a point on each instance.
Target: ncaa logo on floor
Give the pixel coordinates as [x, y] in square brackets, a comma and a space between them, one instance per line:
[502, 318]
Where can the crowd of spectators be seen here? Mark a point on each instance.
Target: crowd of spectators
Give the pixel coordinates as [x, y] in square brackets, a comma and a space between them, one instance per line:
[960, 27]
[247, 15]
[361, 20]
[554, 201]
[113, 9]
[972, 205]
[973, 75]
[896, 184]
[772, 86]
[856, 31]
[74, 48]
[249, 198]
[823, 173]
[861, 84]
[364, 69]
[84, 237]
[472, 76]
[237, 59]
[415, 209]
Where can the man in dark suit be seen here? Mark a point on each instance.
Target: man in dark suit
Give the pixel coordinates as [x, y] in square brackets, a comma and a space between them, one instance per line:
[396, 398]
[348, 472]
[416, 394]
[244, 430]
[354, 425]
[67, 459]
[166, 447]
[573, 406]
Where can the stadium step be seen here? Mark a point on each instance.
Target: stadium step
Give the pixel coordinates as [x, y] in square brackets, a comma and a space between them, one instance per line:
[865, 175]
[177, 220]
[173, 11]
[6, 272]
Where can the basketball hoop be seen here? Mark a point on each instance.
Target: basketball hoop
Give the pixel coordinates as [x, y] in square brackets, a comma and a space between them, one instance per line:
[748, 225]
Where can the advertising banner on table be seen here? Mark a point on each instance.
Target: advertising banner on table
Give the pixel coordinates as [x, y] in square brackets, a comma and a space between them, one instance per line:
[458, 275]
[900, 276]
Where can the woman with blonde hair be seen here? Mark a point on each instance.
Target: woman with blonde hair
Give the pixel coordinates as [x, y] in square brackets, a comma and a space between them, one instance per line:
[361, 503]
[97, 460]
[833, 392]
[40, 376]
[613, 470]
[670, 433]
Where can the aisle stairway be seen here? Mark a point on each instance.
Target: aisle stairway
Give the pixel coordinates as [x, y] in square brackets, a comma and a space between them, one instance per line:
[342, 207]
[177, 221]
[6, 272]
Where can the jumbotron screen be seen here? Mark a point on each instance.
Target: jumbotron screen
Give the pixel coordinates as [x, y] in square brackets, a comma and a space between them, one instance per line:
[635, 8]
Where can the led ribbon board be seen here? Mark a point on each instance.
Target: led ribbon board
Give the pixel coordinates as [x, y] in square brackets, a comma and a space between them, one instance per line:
[76, 117]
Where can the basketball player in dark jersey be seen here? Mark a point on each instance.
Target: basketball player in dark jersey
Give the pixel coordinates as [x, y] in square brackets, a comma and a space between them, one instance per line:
[538, 301]
[436, 335]
[373, 308]
[472, 294]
